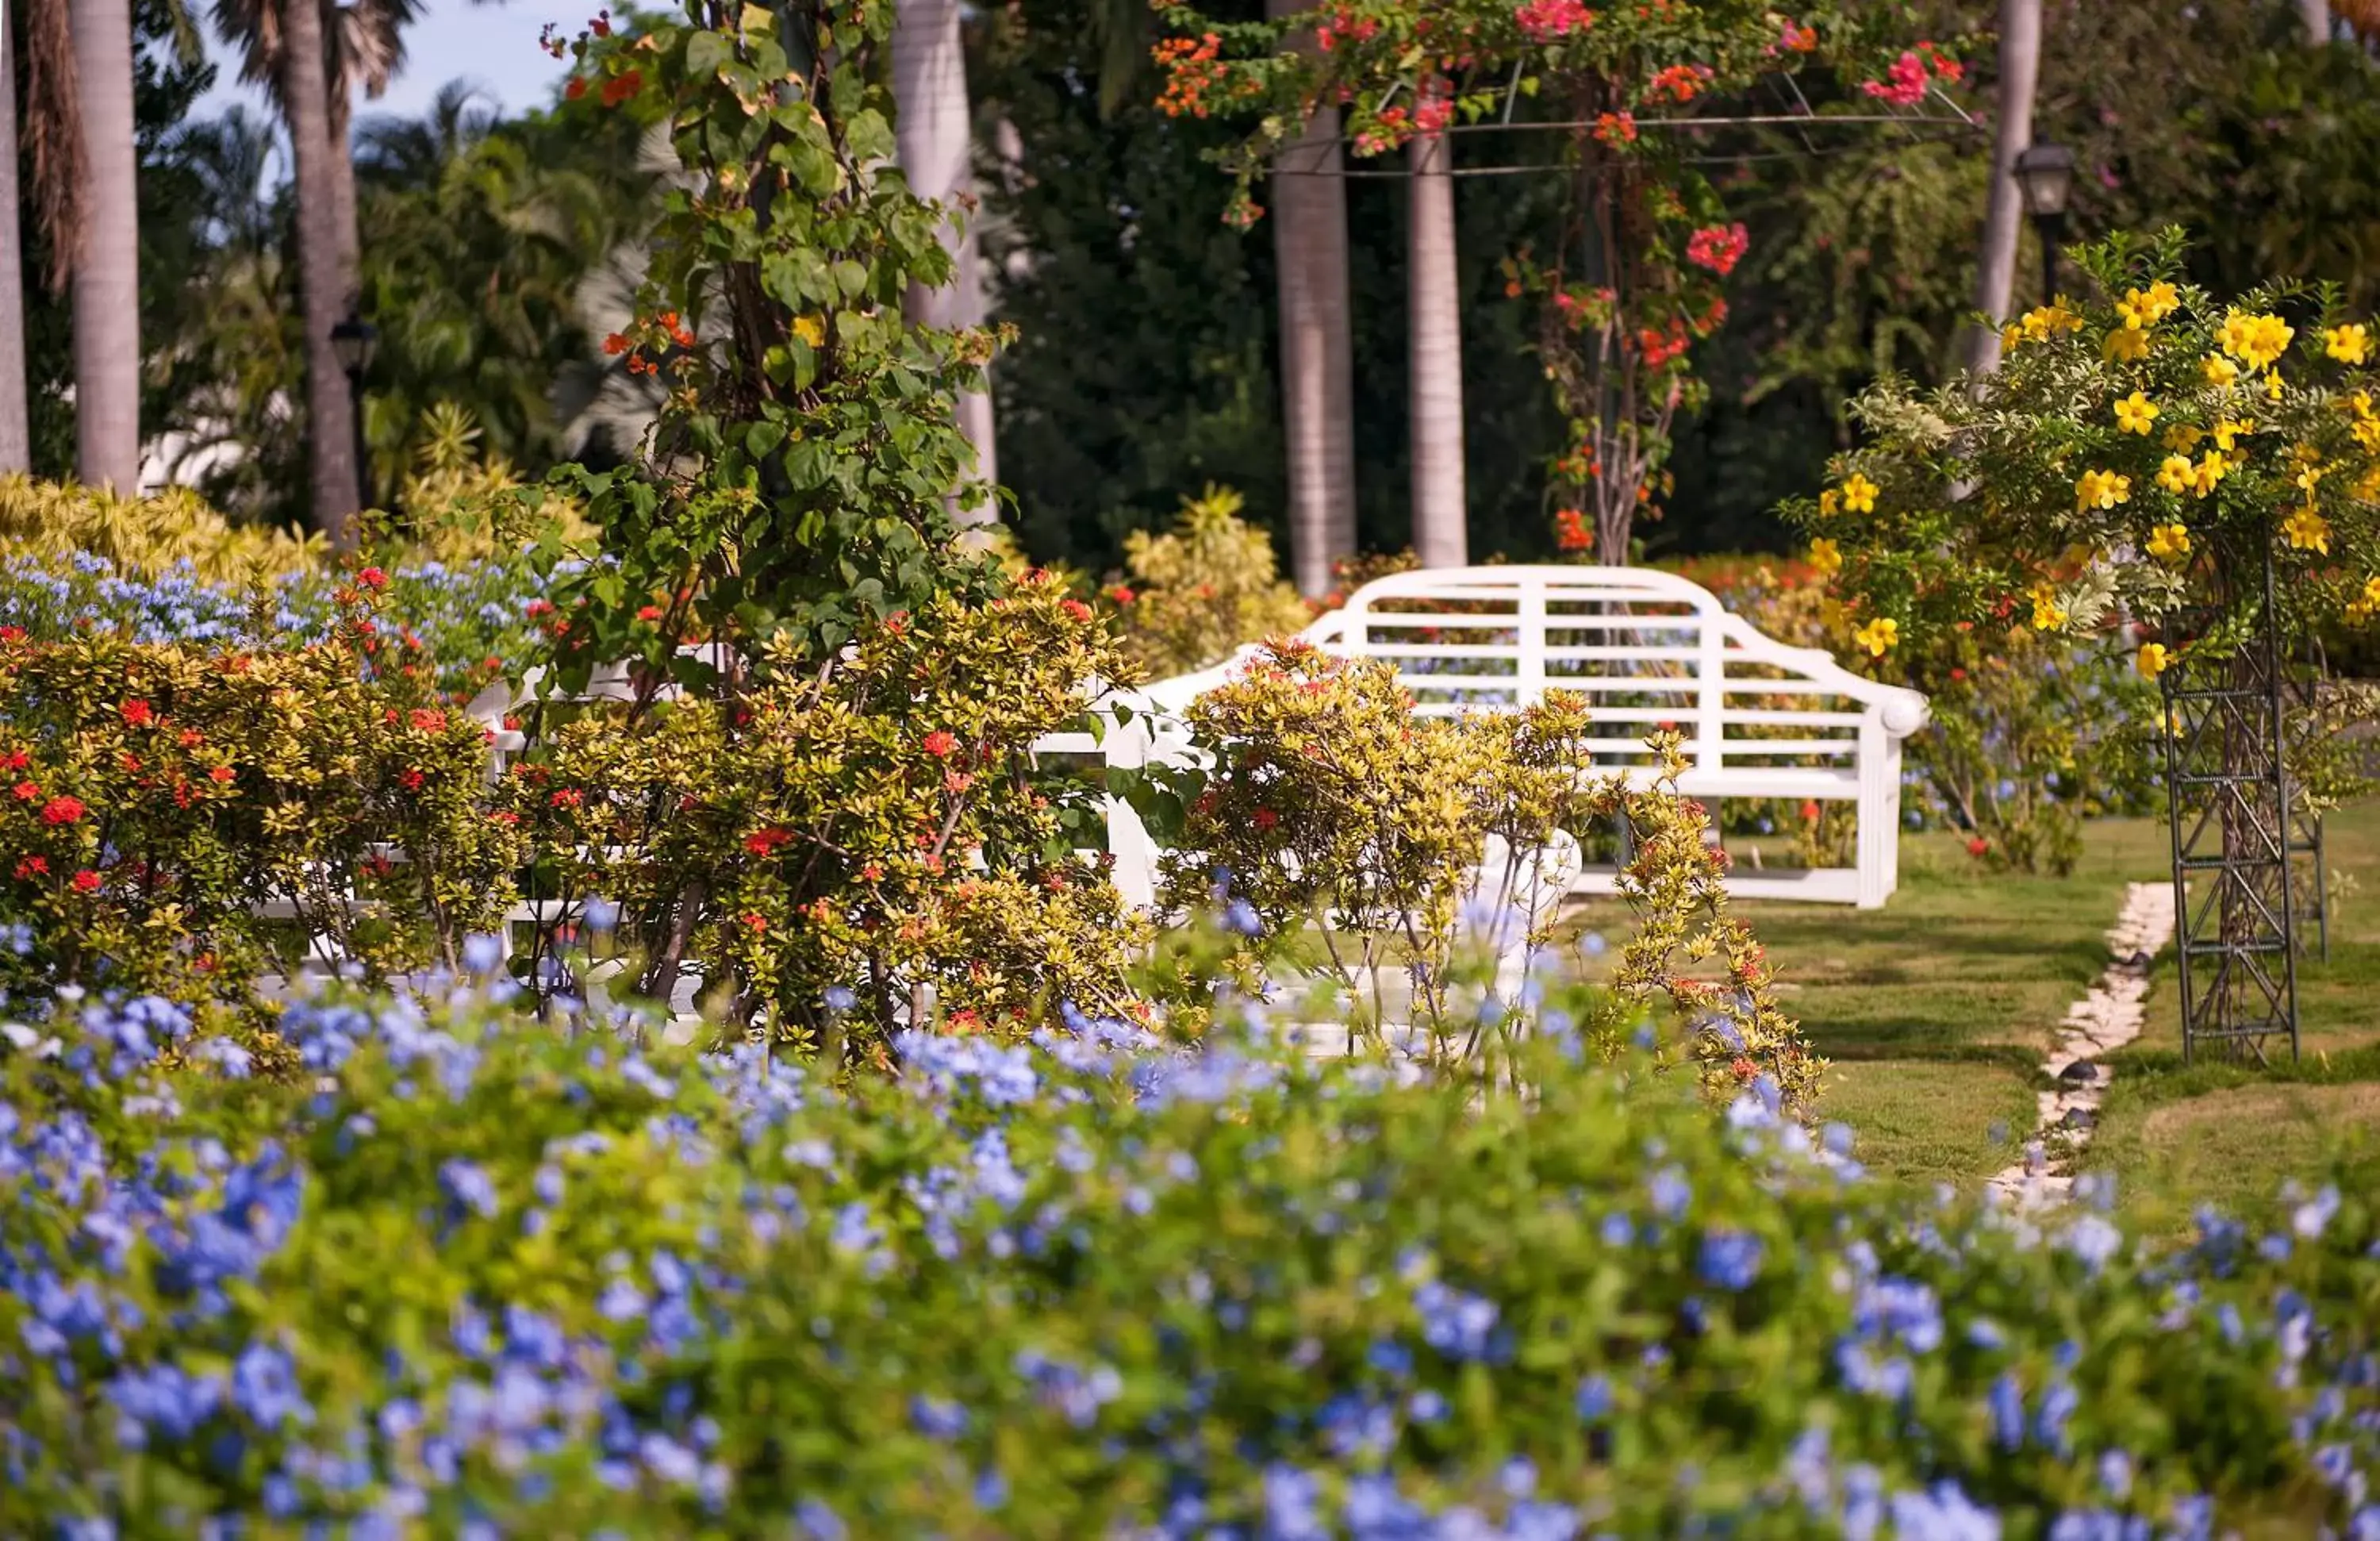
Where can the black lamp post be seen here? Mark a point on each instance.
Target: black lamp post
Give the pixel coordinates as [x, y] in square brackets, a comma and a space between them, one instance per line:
[2044, 175]
[353, 341]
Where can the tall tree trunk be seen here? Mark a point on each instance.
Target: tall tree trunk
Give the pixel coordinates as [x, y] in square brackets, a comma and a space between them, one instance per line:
[107, 265]
[2004, 209]
[330, 425]
[15, 434]
[2316, 17]
[342, 164]
[1317, 390]
[930, 126]
[1435, 359]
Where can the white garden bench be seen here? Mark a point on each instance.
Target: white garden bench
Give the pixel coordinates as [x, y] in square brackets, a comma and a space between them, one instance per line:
[1761, 720]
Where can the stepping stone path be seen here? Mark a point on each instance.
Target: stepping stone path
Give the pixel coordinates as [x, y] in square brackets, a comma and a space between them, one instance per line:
[2106, 1019]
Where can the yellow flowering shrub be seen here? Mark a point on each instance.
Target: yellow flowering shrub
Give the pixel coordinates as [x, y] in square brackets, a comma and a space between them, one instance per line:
[2137, 455]
[1339, 834]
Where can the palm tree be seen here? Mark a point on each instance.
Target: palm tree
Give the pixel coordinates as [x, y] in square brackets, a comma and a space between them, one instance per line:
[16, 429]
[1309, 210]
[364, 48]
[304, 106]
[1435, 360]
[84, 167]
[2003, 208]
[930, 124]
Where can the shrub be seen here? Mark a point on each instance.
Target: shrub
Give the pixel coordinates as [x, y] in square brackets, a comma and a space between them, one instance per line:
[483, 1276]
[1206, 586]
[832, 842]
[161, 794]
[1336, 820]
[59, 522]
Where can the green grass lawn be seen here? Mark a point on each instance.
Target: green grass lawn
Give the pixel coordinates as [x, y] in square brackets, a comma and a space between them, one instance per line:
[1936, 1011]
[2233, 1134]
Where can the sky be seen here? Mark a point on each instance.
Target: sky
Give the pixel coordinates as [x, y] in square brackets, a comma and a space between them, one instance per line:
[493, 45]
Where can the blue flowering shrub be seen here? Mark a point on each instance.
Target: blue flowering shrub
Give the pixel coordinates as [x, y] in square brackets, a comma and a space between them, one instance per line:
[178, 818]
[473, 1280]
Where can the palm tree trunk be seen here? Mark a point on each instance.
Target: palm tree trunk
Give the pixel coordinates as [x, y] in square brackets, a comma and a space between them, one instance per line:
[107, 265]
[341, 180]
[1435, 361]
[2315, 13]
[2003, 207]
[1309, 199]
[16, 435]
[305, 104]
[930, 126]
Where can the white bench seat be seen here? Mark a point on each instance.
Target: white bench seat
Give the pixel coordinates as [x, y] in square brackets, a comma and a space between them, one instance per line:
[1649, 650]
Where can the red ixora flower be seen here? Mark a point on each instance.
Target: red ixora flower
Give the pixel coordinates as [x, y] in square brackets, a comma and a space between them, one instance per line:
[758, 923]
[760, 843]
[1076, 609]
[62, 810]
[87, 880]
[649, 612]
[939, 742]
[1978, 845]
[372, 578]
[12, 634]
[1265, 819]
[137, 713]
[410, 779]
[221, 773]
[27, 791]
[1120, 594]
[568, 798]
[429, 719]
[29, 867]
[1571, 532]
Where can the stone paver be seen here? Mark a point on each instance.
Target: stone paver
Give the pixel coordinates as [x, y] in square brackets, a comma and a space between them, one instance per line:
[2107, 1017]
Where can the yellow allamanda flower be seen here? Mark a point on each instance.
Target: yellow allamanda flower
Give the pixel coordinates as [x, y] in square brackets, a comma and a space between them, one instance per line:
[1879, 636]
[1830, 501]
[2142, 309]
[2218, 370]
[2174, 474]
[2228, 432]
[2010, 335]
[2047, 614]
[2182, 438]
[1859, 494]
[2210, 473]
[2152, 660]
[2308, 531]
[2047, 321]
[1826, 556]
[2367, 487]
[2256, 341]
[2135, 413]
[2359, 406]
[2367, 433]
[2102, 490]
[2367, 604]
[2350, 344]
[2170, 542]
[2272, 386]
[2124, 346]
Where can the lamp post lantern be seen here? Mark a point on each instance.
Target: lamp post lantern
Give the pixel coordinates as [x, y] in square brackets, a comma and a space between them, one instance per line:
[353, 341]
[2044, 175]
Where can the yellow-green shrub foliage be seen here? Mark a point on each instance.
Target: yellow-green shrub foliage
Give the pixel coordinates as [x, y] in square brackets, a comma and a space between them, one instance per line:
[158, 793]
[1203, 589]
[1345, 824]
[145, 535]
[833, 840]
[458, 506]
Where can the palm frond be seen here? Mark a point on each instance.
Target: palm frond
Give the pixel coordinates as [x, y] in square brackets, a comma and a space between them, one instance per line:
[53, 138]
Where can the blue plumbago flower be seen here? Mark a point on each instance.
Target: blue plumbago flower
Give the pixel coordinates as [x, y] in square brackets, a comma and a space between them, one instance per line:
[1730, 1259]
[1669, 1192]
[1594, 1400]
[468, 1187]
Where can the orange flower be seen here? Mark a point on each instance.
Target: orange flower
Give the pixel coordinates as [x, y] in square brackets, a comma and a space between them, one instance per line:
[137, 714]
[939, 742]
